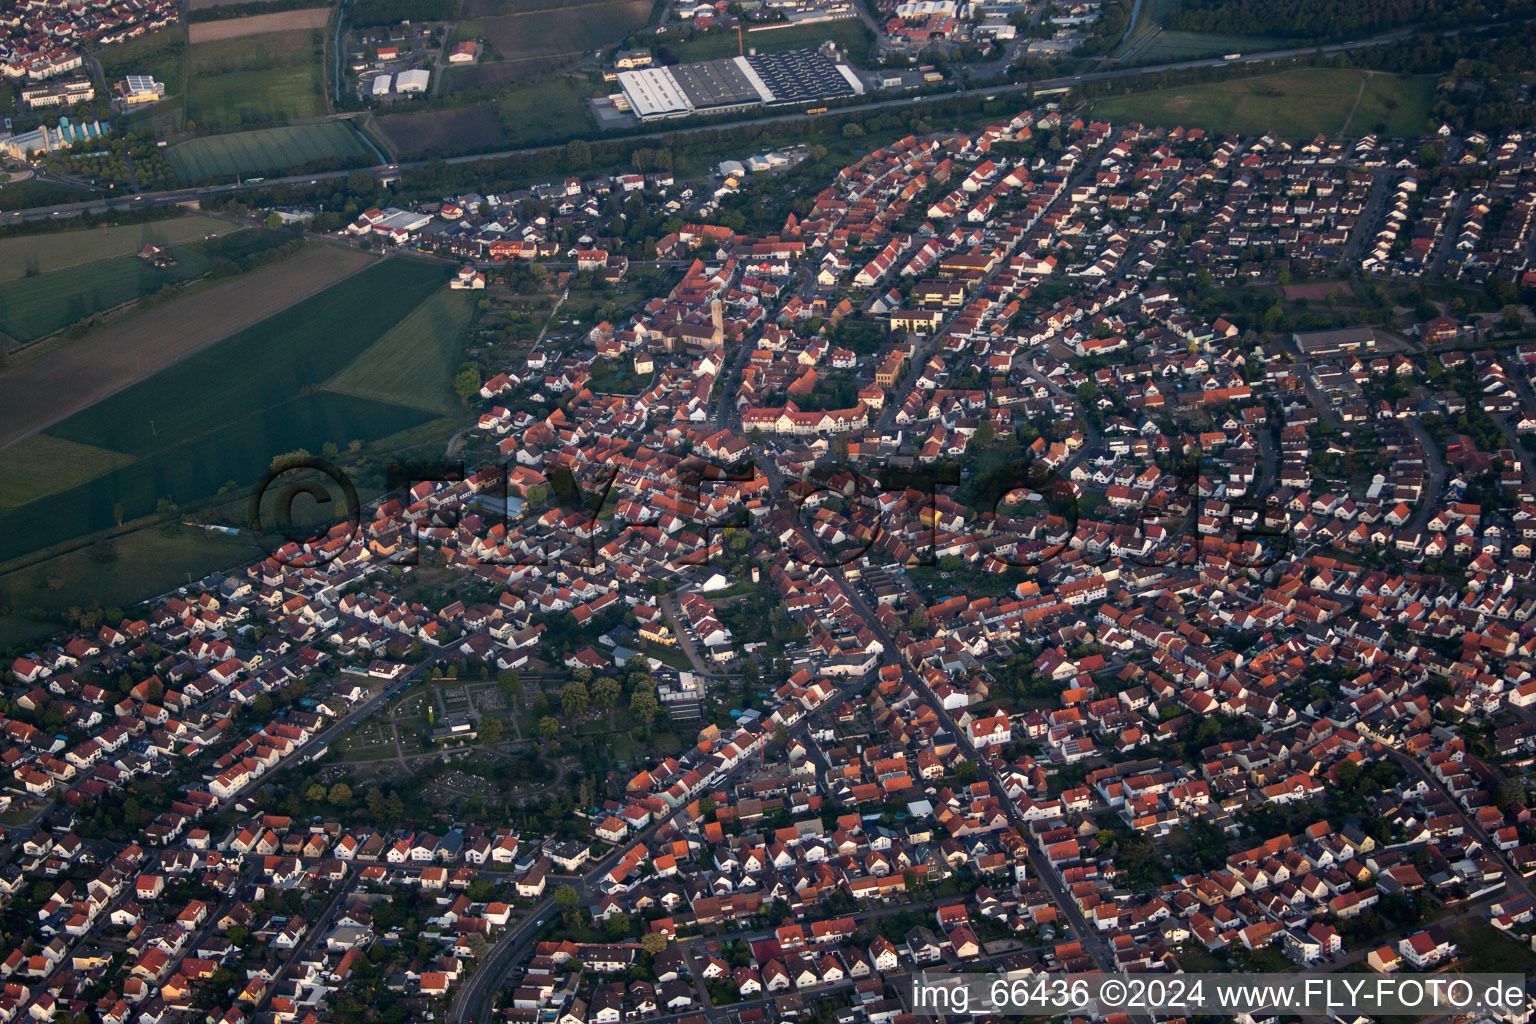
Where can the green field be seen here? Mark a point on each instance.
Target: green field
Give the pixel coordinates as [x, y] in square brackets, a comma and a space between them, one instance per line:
[255, 97]
[41, 465]
[415, 362]
[549, 110]
[269, 78]
[1294, 104]
[35, 307]
[262, 79]
[543, 111]
[1394, 106]
[267, 149]
[222, 414]
[46, 253]
[144, 563]
[849, 34]
[1173, 45]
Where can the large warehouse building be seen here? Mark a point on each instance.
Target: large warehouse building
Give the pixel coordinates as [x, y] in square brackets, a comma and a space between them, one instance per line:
[736, 83]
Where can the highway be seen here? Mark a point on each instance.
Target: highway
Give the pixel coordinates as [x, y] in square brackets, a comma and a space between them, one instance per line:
[173, 197]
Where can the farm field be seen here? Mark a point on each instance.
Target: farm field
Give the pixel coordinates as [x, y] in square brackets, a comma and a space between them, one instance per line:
[223, 413]
[267, 149]
[129, 350]
[1294, 104]
[467, 128]
[37, 306]
[414, 363]
[41, 465]
[267, 78]
[282, 21]
[51, 252]
[849, 35]
[303, 345]
[34, 307]
[555, 29]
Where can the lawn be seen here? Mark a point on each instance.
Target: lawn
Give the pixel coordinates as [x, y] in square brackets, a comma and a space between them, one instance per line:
[849, 35]
[620, 379]
[223, 413]
[1484, 949]
[50, 252]
[1295, 104]
[146, 563]
[268, 149]
[414, 363]
[40, 465]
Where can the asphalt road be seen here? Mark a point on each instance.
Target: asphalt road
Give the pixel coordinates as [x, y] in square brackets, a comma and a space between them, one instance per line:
[173, 197]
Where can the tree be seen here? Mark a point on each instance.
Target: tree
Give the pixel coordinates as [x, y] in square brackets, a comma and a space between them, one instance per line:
[605, 692]
[466, 384]
[510, 684]
[1512, 318]
[567, 899]
[315, 793]
[644, 706]
[537, 494]
[985, 434]
[274, 220]
[549, 727]
[340, 794]
[653, 943]
[574, 699]
[965, 772]
[490, 729]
